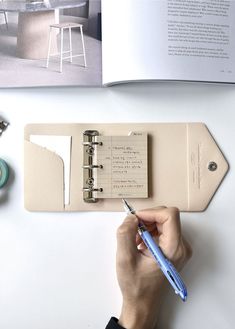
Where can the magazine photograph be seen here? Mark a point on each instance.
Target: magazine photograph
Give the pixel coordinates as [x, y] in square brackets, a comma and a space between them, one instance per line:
[50, 43]
[58, 42]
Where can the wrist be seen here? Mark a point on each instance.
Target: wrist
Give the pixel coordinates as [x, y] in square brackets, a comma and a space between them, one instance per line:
[139, 315]
[140, 311]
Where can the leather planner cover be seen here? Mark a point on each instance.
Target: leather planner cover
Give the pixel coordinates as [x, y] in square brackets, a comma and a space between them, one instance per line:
[185, 167]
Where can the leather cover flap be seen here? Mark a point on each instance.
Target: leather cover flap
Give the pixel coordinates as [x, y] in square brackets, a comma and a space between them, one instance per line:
[206, 166]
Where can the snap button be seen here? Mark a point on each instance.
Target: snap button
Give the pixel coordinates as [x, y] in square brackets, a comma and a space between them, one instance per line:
[212, 166]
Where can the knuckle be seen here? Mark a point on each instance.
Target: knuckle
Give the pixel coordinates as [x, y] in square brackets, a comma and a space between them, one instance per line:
[123, 230]
[127, 226]
[184, 253]
[179, 253]
[154, 208]
[174, 211]
[189, 251]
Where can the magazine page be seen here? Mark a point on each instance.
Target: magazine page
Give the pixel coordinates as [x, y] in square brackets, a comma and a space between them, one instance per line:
[168, 39]
[25, 41]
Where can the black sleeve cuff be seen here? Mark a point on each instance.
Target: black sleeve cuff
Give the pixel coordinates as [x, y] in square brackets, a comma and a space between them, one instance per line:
[113, 324]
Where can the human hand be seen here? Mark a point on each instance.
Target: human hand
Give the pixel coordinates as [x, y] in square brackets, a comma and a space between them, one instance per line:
[141, 281]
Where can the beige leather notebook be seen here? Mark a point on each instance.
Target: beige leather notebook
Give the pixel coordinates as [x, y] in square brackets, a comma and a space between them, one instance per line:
[90, 167]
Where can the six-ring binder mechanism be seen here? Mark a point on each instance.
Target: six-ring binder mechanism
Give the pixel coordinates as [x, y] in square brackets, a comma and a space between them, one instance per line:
[89, 166]
[114, 166]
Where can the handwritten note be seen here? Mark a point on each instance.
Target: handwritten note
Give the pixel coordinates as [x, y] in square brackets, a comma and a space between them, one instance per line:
[124, 171]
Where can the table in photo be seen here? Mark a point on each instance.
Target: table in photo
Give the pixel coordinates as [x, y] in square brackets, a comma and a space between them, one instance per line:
[34, 20]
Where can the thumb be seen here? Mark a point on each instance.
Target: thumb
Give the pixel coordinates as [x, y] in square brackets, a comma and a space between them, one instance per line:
[126, 239]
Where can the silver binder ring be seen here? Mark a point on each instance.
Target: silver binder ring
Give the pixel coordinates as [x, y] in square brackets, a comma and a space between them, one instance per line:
[92, 189]
[91, 133]
[91, 143]
[92, 166]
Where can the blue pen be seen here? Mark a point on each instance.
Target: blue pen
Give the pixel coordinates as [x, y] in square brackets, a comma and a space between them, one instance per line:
[165, 265]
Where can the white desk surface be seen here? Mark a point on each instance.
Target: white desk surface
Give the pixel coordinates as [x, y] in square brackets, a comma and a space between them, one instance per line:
[57, 271]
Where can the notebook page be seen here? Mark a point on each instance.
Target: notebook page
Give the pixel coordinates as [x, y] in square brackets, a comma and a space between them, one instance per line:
[125, 168]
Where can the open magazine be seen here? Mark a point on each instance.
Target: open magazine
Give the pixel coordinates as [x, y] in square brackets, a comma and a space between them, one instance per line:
[58, 42]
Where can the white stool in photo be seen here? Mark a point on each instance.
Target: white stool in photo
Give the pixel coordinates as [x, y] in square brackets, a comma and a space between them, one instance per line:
[69, 27]
[5, 17]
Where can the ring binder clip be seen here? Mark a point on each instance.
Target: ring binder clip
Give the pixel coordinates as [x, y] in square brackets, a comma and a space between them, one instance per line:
[89, 166]
[92, 189]
[92, 166]
[91, 143]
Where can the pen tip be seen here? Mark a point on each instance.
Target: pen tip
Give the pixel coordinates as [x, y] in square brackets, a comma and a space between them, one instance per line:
[126, 205]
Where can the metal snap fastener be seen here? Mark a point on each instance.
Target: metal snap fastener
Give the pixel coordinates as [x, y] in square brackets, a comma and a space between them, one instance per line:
[212, 166]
